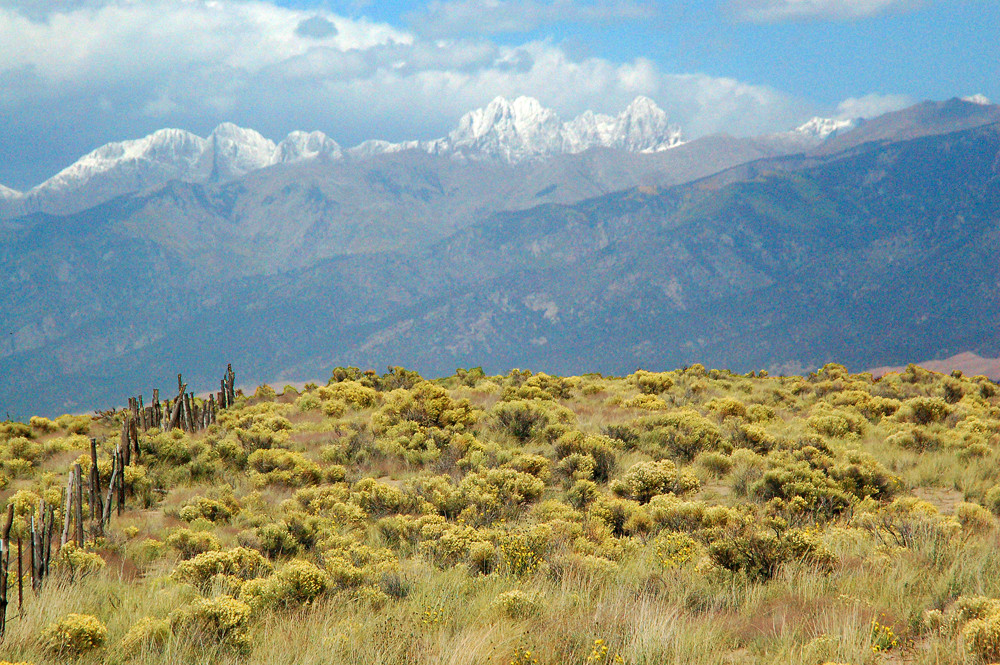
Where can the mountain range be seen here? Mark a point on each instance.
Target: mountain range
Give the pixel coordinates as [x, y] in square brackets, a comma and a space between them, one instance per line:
[506, 131]
[600, 244]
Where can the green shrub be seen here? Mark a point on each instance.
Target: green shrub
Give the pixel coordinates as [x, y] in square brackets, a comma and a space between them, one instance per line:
[521, 419]
[679, 434]
[377, 498]
[190, 543]
[296, 583]
[147, 634]
[601, 450]
[992, 500]
[652, 383]
[758, 554]
[517, 604]
[645, 480]
[495, 491]
[223, 620]
[283, 467]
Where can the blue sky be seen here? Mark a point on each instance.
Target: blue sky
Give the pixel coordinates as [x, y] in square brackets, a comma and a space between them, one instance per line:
[75, 74]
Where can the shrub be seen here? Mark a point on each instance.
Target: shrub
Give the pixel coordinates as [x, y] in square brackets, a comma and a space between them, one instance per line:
[973, 517]
[758, 554]
[517, 604]
[283, 467]
[680, 434]
[494, 490]
[43, 424]
[652, 383]
[981, 637]
[350, 392]
[77, 562]
[521, 419]
[645, 480]
[222, 620]
[209, 509]
[600, 449]
[190, 543]
[582, 493]
[148, 633]
[238, 564]
[74, 634]
[924, 410]
[274, 539]
[297, 583]
[992, 500]
[377, 498]
[715, 463]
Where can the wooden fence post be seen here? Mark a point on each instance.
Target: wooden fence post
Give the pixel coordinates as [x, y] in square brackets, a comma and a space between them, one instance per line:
[4, 563]
[121, 484]
[79, 504]
[20, 579]
[96, 509]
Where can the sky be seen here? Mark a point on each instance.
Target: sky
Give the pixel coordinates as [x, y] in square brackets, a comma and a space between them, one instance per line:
[75, 74]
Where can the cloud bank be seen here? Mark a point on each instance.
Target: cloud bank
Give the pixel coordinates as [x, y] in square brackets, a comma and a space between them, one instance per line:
[767, 11]
[75, 75]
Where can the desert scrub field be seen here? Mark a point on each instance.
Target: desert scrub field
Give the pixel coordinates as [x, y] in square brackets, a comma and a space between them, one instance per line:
[692, 516]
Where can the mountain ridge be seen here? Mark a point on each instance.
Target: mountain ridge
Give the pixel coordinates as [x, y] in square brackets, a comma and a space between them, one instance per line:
[508, 131]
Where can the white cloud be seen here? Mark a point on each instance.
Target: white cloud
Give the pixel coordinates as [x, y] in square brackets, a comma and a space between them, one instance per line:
[980, 99]
[122, 40]
[872, 105]
[206, 61]
[766, 11]
[450, 17]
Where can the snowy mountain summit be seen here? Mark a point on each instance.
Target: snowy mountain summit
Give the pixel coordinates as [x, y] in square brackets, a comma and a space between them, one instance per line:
[522, 129]
[503, 130]
[824, 128]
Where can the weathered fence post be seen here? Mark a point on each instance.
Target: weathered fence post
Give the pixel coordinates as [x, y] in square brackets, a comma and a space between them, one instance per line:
[78, 471]
[20, 579]
[121, 485]
[4, 564]
[96, 507]
[67, 511]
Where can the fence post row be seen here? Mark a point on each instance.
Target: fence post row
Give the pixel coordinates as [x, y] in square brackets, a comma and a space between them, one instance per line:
[184, 412]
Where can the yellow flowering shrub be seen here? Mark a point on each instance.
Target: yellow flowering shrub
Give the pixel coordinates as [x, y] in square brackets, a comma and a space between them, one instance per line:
[74, 634]
[76, 562]
[645, 480]
[239, 563]
[517, 604]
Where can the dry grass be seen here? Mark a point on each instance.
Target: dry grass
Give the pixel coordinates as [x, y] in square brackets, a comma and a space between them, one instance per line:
[591, 578]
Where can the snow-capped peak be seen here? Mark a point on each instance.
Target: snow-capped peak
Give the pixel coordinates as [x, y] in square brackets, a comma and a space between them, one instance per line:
[509, 130]
[237, 151]
[166, 153]
[823, 128]
[641, 127]
[523, 128]
[299, 146]
[980, 99]
[506, 130]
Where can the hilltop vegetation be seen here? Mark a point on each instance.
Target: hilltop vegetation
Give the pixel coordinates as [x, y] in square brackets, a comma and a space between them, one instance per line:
[692, 516]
